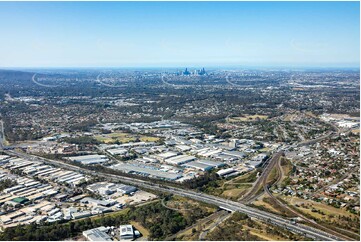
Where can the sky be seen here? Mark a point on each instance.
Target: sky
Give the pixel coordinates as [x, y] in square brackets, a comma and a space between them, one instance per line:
[170, 34]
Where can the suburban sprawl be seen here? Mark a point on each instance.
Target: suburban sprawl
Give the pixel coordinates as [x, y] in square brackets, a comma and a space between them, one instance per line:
[179, 154]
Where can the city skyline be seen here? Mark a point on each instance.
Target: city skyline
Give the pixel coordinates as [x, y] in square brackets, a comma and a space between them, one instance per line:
[168, 34]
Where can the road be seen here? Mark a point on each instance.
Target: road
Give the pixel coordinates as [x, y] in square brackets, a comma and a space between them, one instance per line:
[220, 202]
[255, 192]
[2, 134]
[220, 219]
[313, 141]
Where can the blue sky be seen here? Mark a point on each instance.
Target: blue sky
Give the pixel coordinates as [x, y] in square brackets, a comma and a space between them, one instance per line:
[123, 34]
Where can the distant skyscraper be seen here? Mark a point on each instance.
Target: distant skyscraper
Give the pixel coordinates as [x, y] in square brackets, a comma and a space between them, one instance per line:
[186, 72]
[202, 72]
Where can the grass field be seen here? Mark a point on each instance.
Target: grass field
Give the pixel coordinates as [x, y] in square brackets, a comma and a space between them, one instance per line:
[237, 191]
[123, 138]
[246, 178]
[247, 118]
[328, 210]
[265, 236]
[234, 188]
[184, 205]
[265, 149]
[142, 230]
[272, 177]
[261, 203]
[286, 167]
[262, 231]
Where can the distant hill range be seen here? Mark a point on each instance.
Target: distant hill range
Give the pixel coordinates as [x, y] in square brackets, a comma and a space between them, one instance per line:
[15, 76]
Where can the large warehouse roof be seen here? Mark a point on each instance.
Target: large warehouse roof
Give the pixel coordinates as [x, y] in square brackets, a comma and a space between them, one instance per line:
[147, 171]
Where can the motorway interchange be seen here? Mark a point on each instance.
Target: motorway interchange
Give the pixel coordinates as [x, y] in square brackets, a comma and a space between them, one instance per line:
[220, 202]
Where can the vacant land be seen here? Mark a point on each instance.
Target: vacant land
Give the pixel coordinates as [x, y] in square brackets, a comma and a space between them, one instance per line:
[241, 227]
[337, 218]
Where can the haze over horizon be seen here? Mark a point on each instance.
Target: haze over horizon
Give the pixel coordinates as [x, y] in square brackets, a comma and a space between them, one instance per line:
[169, 34]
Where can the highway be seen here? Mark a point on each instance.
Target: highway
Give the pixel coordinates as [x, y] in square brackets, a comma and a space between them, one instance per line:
[257, 189]
[2, 134]
[220, 202]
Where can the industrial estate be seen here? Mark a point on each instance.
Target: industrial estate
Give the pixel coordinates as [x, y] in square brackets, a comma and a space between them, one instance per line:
[180, 121]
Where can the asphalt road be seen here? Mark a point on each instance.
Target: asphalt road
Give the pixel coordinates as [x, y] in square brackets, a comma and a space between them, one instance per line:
[2, 134]
[255, 192]
[218, 221]
[220, 202]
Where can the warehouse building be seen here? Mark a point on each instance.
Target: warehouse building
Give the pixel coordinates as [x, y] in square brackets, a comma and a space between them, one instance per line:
[145, 171]
[183, 148]
[118, 151]
[180, 159]
[83, 214]
[97, 234]
[227, 172]
[106, 188]
[166, 155]
[126, 232]
[89, 159]
[96, 202]
[20, 200]
[212, 163]
[198, 166]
